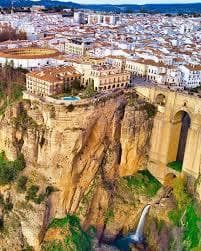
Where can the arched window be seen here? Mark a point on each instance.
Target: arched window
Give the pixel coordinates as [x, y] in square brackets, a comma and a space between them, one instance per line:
[160, 99]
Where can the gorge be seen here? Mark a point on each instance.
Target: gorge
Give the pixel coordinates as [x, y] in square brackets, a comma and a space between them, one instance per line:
[86, 167]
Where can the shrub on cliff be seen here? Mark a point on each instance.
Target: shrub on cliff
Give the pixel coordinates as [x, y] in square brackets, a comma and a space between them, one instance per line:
[150, 109]
[21, 183]
[143, 183]
[9, 170]
[132, 99]
[185, 215]
[70, 107]
[5, 205]
[24, 121]
[70, 235]
[33, 195]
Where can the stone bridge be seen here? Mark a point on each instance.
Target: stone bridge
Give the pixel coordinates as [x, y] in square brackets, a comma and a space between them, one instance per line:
[176, 135]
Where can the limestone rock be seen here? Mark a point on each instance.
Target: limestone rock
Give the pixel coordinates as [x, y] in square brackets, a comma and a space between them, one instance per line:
[69, 150]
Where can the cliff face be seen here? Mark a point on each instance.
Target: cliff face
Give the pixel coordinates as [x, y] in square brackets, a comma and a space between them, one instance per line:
[79, 150]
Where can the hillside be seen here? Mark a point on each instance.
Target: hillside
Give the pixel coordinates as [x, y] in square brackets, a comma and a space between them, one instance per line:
[153, 8]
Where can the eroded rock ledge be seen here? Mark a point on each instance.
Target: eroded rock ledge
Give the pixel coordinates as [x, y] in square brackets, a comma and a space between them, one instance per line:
[77, 150]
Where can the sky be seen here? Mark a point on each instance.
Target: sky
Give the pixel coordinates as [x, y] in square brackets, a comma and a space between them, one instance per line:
[132, 1]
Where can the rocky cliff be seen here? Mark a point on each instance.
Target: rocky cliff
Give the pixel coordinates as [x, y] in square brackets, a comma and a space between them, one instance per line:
[81, 151]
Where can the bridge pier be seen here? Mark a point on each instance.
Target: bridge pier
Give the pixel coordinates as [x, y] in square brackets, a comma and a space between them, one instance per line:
[166, 132]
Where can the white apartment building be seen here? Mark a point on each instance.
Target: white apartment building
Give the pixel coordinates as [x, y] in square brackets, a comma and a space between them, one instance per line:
[79, 17]
[94, 19]
[77, 46]
[191, 75]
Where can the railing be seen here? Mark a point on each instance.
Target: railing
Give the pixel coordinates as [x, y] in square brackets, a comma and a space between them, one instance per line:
[89, 101]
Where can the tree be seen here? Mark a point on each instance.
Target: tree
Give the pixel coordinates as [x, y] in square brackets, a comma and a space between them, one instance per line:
[89, 91]
[8, 33]
[76, 84]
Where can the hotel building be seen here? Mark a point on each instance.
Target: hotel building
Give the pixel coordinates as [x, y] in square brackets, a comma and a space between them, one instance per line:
[51, 81]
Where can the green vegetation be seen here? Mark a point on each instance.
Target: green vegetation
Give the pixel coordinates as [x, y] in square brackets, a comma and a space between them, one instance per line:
[185, 215]
[132, 99]
[9, 98]
[109, 215]
[28, 249]
[9, 170]
[9, 33]
[74, 238]
[6, 205]
[33, 195]
[150, 109]
[143, 183]
[86, 200]
[89, 91]
[74, 88]
[12, 83]
[24, 121]
[70, 107]
[176, 165]
[21, 183]
[76, 84]
[159, 225]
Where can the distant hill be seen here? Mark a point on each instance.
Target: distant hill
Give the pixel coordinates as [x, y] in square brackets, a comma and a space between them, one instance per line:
[153, 8]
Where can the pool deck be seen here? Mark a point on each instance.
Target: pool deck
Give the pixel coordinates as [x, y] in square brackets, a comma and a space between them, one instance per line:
[82, 102]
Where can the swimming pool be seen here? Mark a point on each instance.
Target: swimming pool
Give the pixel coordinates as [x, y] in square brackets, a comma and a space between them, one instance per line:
[71, 98]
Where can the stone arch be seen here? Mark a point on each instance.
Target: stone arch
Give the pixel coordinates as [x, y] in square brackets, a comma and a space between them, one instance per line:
[160, 99]
[177, 112]
[180, 125]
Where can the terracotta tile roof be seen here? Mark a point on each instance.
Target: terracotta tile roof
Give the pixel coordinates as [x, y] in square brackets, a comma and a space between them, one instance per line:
[193, 67]
[53, 75]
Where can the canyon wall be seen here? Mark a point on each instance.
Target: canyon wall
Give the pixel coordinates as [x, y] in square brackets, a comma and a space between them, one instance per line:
[78, 150]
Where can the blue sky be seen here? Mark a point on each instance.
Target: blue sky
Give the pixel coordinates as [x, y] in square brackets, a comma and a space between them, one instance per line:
[133, 1]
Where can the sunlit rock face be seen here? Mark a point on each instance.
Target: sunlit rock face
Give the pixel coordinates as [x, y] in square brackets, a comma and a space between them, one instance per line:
[135, 136]
[73, 150]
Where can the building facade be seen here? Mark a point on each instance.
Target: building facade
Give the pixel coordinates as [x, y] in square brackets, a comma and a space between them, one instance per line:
[51, 81]
[77, 47]
[106, 77]
[191, 75]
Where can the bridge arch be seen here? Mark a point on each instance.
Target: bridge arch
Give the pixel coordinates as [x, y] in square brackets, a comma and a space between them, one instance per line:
[180, 125]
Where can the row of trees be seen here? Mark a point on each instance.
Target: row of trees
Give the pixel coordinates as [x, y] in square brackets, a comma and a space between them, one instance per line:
[10, 74]
[12, 82]
[8, 33]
